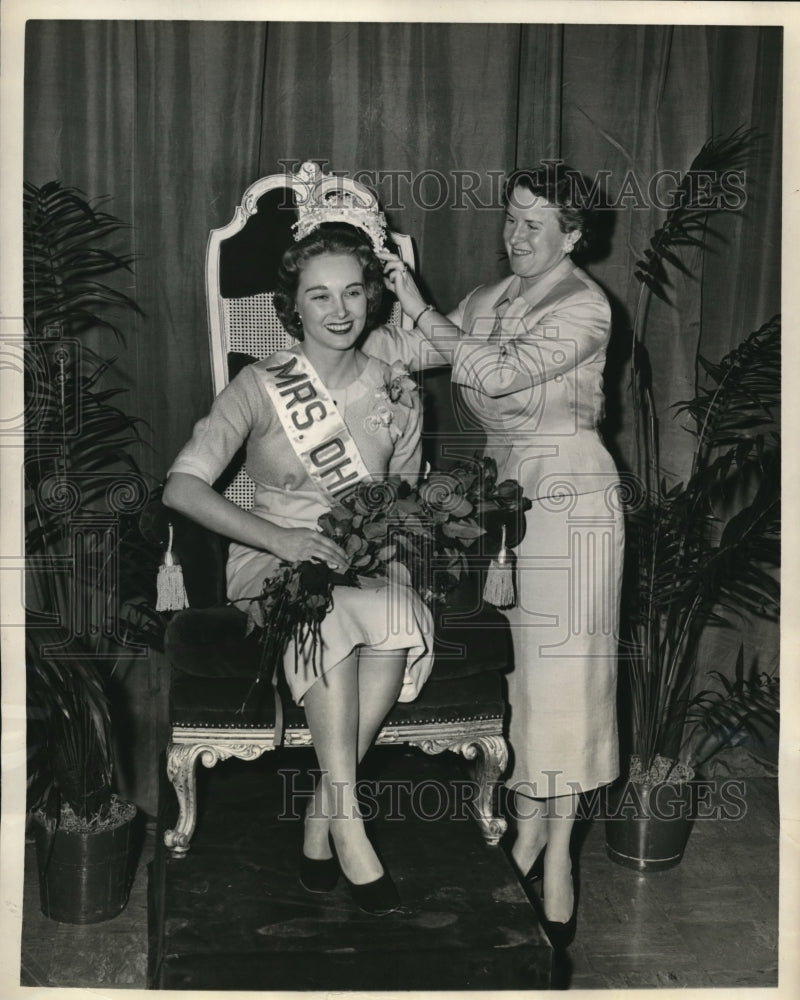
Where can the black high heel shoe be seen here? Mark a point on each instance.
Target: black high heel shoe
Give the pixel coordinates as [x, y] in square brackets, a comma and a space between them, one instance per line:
[378, 897]
[561, 933]
[318, 875]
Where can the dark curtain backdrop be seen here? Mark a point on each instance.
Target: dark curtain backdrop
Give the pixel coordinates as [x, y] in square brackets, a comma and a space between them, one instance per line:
[174, 119]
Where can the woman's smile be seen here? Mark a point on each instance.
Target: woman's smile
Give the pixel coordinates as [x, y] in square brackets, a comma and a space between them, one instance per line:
[344, 327]
[534, 240]
[332, 301]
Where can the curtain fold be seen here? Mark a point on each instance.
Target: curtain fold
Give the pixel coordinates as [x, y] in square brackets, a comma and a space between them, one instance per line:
[164, 117]
[745, 86]
[693, 83]
[423, 113]
[175, 120]
[197, 152]
[540, 79]
[625, 135]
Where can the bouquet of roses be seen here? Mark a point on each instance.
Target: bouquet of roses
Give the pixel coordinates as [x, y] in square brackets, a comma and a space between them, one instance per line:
[415, 535]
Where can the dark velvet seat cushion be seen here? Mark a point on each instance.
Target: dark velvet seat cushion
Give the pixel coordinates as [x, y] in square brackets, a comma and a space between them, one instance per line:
[214, 663]
[207, 701]
[212, 642]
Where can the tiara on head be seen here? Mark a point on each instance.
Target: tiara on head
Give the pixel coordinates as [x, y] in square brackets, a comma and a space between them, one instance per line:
[328, 198]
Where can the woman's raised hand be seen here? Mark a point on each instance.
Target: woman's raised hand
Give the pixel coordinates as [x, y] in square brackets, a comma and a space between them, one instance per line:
[295, 545]
[398, 278]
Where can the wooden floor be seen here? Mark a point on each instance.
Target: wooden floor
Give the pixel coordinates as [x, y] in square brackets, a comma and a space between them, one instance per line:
[712, 921]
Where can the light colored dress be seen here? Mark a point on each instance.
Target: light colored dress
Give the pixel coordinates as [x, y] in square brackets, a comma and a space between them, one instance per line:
[380, 614]
[562, 690]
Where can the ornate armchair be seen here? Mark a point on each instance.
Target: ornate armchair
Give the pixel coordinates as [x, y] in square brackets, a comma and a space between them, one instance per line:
[462, 707]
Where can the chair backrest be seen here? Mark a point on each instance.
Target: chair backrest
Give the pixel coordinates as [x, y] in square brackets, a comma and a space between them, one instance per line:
[242, 261]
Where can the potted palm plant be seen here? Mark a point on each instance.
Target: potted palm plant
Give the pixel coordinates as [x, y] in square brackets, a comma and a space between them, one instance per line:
[700, 553]
[82, 492]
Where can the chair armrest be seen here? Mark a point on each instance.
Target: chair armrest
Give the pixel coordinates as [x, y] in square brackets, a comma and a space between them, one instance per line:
[202, 554]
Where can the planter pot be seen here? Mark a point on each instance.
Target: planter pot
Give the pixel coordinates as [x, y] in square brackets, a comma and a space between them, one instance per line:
[647, 825]
[85, 876]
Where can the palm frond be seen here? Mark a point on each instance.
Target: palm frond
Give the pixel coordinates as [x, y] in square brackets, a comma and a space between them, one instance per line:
[739, 708]
[80, 450]
[702, 190]
[743, 407]
[71, 731]
[63, 262]
[703, 552]
[686, 226]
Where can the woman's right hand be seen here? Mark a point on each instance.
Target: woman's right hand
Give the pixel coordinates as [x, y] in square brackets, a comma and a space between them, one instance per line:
[196, 499]
[397, 277]
[295, 545]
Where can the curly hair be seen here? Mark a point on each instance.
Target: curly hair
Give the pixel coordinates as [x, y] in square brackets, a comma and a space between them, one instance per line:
[561, 186]
[335, 238]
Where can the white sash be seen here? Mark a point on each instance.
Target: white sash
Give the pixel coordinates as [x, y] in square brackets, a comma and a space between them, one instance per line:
[313, 425]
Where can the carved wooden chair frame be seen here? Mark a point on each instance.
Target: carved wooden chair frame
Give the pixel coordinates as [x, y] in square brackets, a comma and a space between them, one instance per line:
[478, 739]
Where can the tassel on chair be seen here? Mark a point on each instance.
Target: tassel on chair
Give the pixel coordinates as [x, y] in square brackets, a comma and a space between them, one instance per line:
[499, 587]
[170, 591]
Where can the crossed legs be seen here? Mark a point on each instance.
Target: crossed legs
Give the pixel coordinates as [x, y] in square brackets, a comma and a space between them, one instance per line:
[345, 709]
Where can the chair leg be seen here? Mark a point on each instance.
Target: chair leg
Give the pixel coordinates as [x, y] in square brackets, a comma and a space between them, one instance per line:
[182, 772]
[490, 756]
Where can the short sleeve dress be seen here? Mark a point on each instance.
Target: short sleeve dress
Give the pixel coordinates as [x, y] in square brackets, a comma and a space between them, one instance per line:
[381, 614]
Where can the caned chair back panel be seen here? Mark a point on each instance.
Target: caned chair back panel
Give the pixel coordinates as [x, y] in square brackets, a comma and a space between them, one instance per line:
[247, 324]
[253, 326]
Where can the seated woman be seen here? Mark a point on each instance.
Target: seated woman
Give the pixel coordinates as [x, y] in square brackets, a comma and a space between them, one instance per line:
[294, 410]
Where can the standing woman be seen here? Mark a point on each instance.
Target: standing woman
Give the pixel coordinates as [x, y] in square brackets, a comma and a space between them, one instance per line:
[528, 353]
[323, 389]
